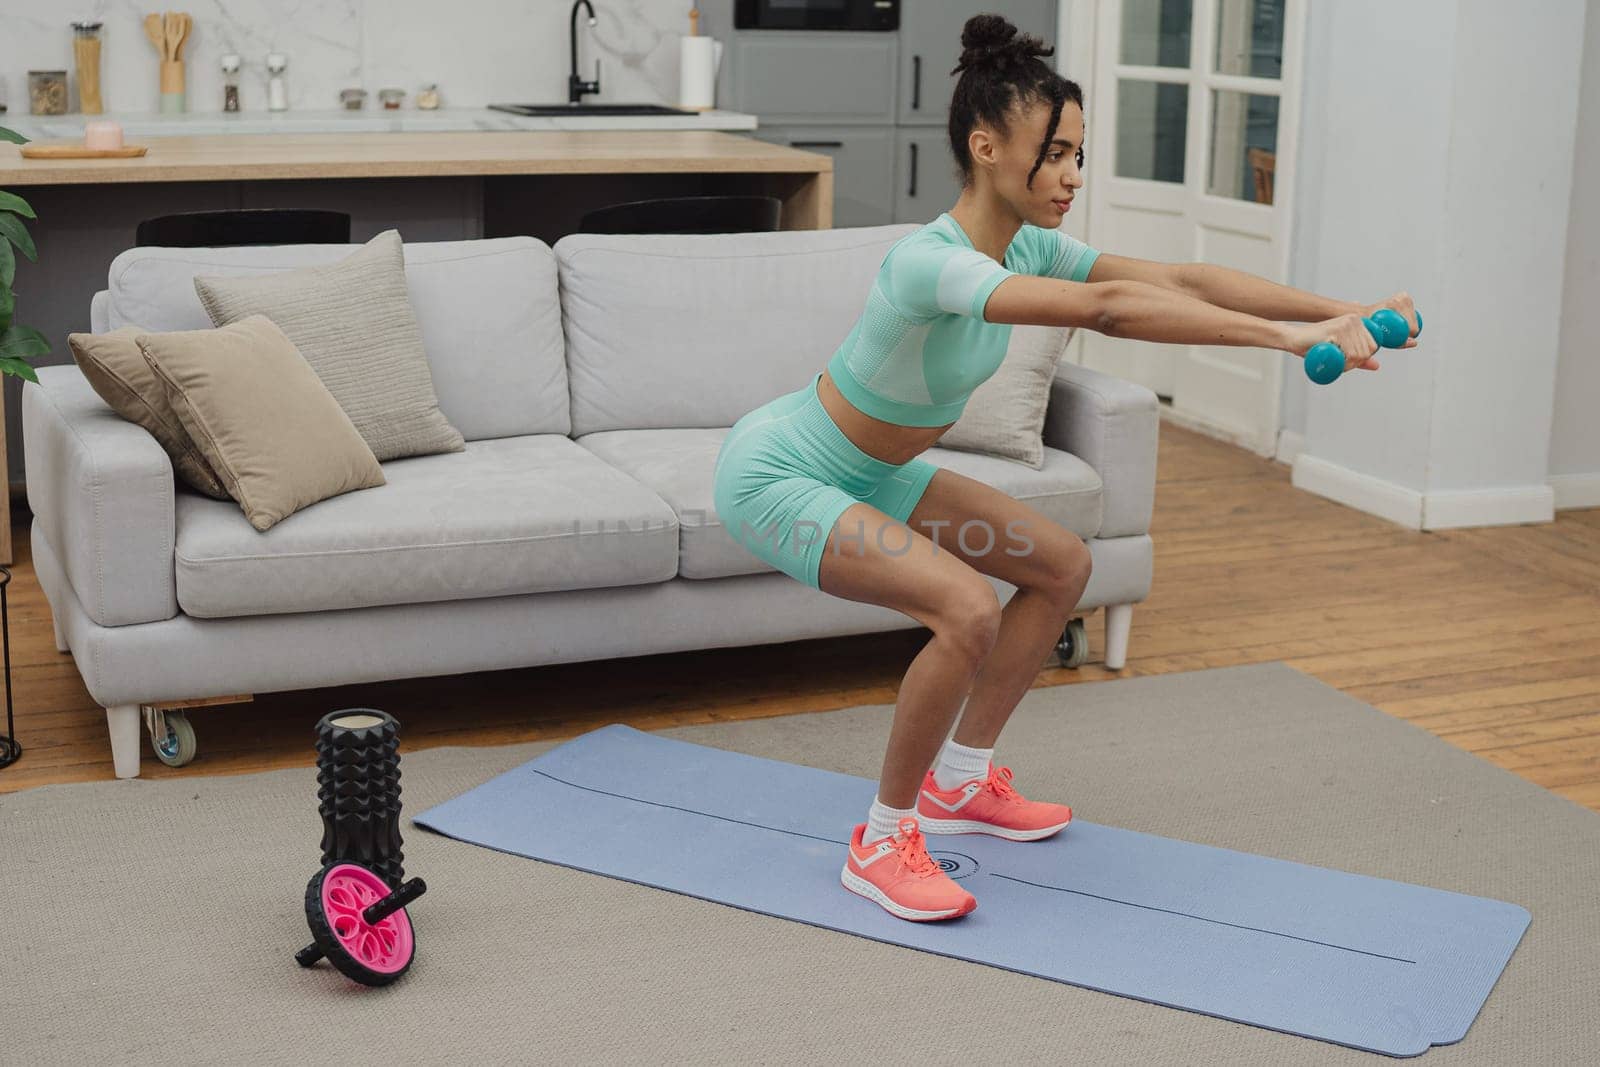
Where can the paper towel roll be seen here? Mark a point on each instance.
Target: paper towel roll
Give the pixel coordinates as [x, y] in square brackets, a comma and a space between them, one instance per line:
[697, 72]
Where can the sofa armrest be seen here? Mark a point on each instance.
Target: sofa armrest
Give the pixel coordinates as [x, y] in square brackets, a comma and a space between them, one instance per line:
[1113, 425]
[101, 489]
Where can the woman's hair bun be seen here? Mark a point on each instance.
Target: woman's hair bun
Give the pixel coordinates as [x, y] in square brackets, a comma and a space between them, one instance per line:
[993, 40]
[986, 31]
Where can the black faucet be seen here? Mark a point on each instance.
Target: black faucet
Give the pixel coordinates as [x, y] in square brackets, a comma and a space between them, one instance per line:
[576, 86]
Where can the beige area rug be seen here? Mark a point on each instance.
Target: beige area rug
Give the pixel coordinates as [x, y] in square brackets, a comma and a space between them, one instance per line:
[146, 922]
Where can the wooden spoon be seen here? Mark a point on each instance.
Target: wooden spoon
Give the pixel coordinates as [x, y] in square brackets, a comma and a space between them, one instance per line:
[152, 30]
[169, 28]
[184, 23]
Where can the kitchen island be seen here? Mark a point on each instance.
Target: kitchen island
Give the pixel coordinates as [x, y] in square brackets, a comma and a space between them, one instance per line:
[448, 185]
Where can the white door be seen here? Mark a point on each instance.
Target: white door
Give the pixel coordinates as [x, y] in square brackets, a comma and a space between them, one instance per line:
[1193, 109]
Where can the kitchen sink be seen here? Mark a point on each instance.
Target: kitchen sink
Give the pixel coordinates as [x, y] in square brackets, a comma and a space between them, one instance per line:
[570, 110]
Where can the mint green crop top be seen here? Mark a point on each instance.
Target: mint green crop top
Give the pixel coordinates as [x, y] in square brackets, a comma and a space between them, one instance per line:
[921, 346]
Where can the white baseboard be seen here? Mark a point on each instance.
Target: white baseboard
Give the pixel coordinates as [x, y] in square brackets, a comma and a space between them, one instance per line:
[1453, 508]
[1576, 490]
[1360, 491]
[1437, 510]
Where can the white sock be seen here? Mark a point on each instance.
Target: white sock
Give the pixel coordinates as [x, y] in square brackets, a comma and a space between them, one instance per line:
[957, 763]
[882, 820]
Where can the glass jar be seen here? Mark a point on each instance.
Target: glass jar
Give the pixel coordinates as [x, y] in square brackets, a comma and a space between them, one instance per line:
[390, 98]
[47, 92]
[428, 97]
[353, 99]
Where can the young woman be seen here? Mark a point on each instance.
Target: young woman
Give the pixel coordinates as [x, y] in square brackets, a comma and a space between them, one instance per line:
[825, 482]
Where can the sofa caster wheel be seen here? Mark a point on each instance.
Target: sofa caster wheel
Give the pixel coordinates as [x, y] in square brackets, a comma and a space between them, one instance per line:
[1073, 648]
[171, 736]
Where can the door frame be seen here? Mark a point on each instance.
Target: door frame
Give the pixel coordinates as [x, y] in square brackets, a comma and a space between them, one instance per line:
[1085, 23]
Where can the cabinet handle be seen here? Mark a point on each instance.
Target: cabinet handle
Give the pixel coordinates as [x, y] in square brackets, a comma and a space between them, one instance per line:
[816, 144]
[916, 82]
[913, 190]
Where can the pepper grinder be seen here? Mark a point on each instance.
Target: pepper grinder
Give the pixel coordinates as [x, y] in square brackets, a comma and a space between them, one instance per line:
[230, 82]
[277, 95]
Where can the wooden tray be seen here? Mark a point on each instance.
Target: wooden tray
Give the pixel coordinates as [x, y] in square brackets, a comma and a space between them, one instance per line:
[78, 151]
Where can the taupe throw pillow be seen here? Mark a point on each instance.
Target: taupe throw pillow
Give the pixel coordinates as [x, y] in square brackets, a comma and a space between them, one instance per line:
[352, 321]
[115, 368]
[261, 416]
[1005, 415]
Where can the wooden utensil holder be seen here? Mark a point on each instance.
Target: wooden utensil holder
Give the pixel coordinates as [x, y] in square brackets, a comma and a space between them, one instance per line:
[172, 94]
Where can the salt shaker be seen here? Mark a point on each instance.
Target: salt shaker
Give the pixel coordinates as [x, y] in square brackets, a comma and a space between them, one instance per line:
[277, 95]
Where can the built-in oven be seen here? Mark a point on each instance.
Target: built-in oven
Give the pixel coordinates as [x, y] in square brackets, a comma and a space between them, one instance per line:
[817, 14]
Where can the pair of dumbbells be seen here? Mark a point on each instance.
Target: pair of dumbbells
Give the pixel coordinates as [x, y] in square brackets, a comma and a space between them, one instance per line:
[1325, 361]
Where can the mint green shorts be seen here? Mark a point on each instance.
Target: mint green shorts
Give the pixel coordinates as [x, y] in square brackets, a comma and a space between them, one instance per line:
[785, 474]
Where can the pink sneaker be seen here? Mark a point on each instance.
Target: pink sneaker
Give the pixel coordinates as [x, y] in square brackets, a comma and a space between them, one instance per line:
[988, 806]
[898, 873]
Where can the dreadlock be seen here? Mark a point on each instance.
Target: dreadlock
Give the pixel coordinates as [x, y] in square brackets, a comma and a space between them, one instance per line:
[1000, 68]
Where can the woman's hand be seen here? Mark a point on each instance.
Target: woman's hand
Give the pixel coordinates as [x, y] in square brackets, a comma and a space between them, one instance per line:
[1346, 331]
[1402, 303]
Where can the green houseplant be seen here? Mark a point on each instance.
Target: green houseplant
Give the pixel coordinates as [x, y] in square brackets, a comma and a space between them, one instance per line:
[18, 343]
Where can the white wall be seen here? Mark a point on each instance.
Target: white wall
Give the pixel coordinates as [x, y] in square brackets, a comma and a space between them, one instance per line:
[477, 51]
[1508, 144]
[1575, 435]
[1438, 158]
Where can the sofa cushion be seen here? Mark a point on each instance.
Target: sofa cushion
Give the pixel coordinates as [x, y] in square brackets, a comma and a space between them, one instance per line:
[678, 466]
[352, 321]
[261, 417]
[504, 517]
[113, 364]
[694, 330]
[487, 309]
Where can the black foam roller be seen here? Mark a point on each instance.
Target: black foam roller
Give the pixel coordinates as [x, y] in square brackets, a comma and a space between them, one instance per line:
[358, 790]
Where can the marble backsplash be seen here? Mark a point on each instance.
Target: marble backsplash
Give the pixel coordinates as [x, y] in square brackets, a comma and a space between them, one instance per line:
[476, 51]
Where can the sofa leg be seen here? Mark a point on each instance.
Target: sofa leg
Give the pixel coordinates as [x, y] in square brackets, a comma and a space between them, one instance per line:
[123, 721]
[1119, 620]
[61, 635]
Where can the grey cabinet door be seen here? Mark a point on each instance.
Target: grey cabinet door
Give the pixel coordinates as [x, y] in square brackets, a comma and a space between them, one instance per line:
[794, 77]
[863, 167]
[926, 179]
[930, 45]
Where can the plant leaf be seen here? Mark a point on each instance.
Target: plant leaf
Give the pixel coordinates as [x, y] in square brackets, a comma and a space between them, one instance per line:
[8, 306]
[13, 202]
[18, 342]
[8, 265]
[12, 135]
[19, 368]
[13, 230]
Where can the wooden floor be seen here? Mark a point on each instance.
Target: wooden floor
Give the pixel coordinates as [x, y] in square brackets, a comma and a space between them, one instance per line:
[1490, 638]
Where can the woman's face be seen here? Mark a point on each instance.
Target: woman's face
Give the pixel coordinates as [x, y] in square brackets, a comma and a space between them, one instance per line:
[1058, 179]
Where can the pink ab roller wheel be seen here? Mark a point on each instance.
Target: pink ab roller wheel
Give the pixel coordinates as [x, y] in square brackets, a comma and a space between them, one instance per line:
[359, 924]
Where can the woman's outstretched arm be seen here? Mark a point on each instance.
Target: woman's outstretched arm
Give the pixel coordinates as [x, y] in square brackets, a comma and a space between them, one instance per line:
[1141, 311]
[1226, 288]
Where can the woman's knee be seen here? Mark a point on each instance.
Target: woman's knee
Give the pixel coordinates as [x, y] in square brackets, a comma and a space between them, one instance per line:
[1064, 568]
[969, 618]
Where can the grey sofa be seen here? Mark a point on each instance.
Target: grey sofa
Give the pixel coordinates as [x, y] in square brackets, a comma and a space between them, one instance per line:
[594, 382]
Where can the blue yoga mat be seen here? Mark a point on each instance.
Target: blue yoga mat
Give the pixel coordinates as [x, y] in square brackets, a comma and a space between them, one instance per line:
[1365, 962]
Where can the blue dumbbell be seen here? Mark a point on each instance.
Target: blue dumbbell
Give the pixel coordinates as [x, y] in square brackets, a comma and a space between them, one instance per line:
[1325, 361]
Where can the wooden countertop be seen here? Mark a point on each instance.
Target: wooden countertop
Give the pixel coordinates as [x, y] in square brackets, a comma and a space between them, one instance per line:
[411, 155]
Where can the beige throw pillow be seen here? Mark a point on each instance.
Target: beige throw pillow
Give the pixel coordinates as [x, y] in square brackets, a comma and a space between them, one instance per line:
[352, 321]
[115, 368]
[261, 416]
[1005, 415]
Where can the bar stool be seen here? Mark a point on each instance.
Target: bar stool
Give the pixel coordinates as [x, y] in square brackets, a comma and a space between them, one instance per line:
[686, 214]
[249, 226]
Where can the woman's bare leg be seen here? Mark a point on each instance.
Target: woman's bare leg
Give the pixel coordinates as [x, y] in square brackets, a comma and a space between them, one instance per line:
[1006, 539]
[879, 560]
